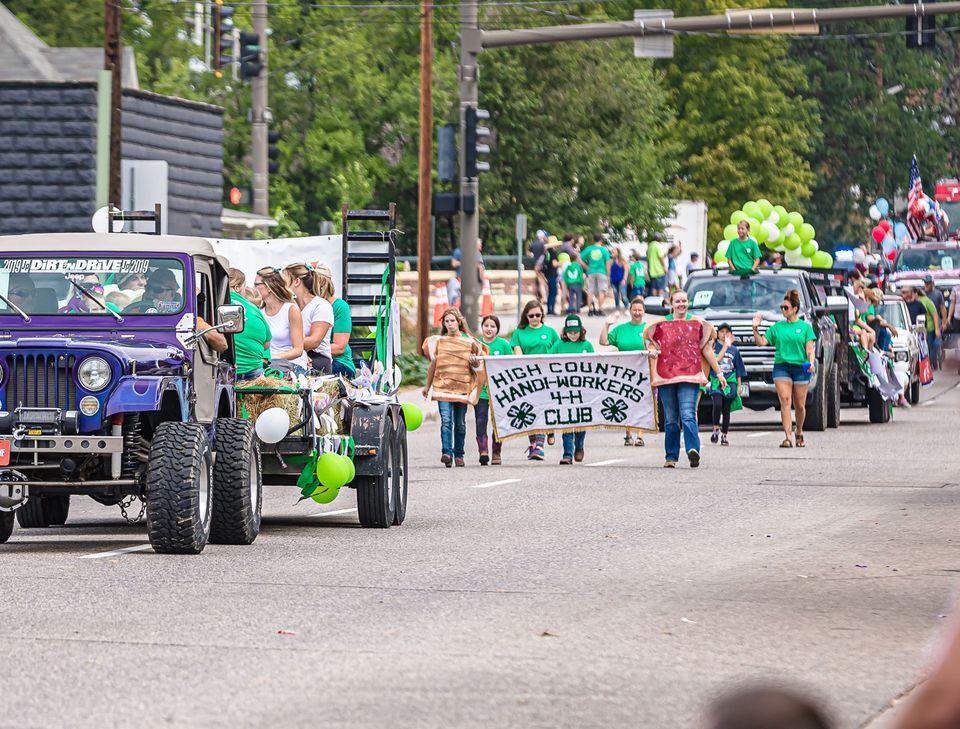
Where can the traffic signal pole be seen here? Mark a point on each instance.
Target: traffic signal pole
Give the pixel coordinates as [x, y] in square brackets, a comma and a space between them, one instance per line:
[468, 73]
[258, 136]
[426, 171]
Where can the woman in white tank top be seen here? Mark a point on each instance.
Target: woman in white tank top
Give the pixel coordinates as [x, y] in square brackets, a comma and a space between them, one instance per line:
[283, 316]
[311, 288]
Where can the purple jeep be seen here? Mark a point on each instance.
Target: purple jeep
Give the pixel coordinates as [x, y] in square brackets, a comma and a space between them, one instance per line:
[108, 390]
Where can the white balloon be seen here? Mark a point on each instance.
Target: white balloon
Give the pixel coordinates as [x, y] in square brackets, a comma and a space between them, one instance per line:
[722, 246]
[272, 425]
[788, 230]
[774, 217]
[875, 213]
[816, 246]
[100, 222]
[794, 257]
[774, 232]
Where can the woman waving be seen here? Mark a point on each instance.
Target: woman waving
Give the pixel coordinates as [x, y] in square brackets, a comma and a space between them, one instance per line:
[793, 363]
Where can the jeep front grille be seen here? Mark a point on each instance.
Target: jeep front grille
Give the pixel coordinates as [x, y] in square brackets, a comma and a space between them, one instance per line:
[41, 381]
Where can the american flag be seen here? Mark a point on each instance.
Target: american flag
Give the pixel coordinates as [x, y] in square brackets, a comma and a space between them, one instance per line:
[916, 210]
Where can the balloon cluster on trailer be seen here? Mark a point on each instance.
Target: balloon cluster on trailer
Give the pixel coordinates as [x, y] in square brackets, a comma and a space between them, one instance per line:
[778, 229]
[891, 236]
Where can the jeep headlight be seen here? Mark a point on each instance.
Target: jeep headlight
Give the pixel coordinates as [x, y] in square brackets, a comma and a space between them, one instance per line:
[901, 355]
[94, 374]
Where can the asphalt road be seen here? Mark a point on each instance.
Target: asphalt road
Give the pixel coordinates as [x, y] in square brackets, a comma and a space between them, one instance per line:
[613, 593]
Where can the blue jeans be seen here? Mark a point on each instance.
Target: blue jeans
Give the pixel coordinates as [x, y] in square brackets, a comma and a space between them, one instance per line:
[574, 297]
[573, 441]
[620, 294]
[680, 408]
[933, 344]
[453, 427]
[551, 291]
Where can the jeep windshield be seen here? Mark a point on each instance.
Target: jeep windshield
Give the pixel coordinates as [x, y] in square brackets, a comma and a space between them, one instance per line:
[928, 259]
[44, 285]
[755, 293]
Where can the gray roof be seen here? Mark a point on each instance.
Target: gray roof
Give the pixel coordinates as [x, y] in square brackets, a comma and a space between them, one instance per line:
[94, 243]
[24, 57]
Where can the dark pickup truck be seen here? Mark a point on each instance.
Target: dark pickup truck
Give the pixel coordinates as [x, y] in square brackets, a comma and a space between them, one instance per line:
[719, 297]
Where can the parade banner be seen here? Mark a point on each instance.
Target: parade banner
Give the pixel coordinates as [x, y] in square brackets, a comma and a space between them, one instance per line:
[564, 393]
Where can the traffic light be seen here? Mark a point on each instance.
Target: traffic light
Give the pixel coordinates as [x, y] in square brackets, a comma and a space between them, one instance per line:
[472, 147]
[922, 31]
[273, 153]
[251, 58]
[237, 195]
[222, 36]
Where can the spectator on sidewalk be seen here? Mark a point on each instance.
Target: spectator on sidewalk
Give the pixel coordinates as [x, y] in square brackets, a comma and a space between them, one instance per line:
[552, 273]
[573, 279]
[656, 267]
[636, 277]
[598, 261]
[917, 305]
[936, 296]
[538, 251]
[618, 279]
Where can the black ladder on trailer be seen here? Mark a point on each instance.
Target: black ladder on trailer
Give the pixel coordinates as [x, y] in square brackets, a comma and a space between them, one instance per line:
[366, 255]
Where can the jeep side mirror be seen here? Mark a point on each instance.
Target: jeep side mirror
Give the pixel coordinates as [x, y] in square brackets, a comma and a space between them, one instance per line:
[230, 318]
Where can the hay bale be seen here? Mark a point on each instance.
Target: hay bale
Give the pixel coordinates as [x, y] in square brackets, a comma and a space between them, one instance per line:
[256, 402]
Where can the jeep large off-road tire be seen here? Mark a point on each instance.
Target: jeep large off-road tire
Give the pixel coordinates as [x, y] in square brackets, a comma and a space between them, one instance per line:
[237, 483]
[399, 475]
[179, 489]
[817, 406]
[44, 511]
[6, 525]
[376, 497]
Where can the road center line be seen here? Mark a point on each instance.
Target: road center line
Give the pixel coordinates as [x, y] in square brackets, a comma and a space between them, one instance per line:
[759, 435]
[334, 513]
[606, 463]
[117, 552]
[495, 483]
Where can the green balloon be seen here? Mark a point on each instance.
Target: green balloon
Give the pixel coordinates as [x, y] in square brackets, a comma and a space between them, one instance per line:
[796, 219]
[784, 216]
[822, 259]
[325, 494]
[412, 416]
[793, 242]
[809, 249]
[752, 209]
[736, 216]
[351, 469]
[765, 207]
[719, 257]
[730, 232]
[754, 227]
[806, 232]
[332, 470]
[762, 234]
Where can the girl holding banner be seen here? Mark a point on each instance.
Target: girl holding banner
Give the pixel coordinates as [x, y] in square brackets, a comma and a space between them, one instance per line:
[681, 344]
[627, 337]
[453, 378]
[497, 345]
[532, 336]
[573, 340]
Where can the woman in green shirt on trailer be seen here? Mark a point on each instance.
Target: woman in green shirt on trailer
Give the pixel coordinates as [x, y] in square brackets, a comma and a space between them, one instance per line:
[627, 337]
[532, 336]
[573, 340]
[490, 336]
[793, 363]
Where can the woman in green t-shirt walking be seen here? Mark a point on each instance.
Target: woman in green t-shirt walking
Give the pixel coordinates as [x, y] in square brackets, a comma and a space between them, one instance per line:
[793, 364]
[532, 336]
[627, 337]
[490, 336]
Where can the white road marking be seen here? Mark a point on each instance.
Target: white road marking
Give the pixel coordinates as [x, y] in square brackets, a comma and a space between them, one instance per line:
[759, 435]
[117, 552]
[607, 463]
[495, 483]
[334, 513]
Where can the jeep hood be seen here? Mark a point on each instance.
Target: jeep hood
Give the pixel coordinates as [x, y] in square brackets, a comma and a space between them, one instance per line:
[145, 352]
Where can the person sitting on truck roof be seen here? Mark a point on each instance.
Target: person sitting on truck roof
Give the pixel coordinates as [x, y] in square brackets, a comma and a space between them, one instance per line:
[743, 253]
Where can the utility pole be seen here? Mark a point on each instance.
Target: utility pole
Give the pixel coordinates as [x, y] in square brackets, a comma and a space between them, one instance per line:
[113, 62]
[258, 136]
[426, 171]
[469, 76]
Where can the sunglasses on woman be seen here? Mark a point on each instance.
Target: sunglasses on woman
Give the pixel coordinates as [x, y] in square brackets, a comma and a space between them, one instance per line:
[785, 307]
[534, 316]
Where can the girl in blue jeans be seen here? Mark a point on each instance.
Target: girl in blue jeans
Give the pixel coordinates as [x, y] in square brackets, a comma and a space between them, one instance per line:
[573, 340]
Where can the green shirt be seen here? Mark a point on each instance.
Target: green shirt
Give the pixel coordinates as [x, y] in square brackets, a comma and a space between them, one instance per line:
[573, 274]
[790, 340]
[343, 322]
[655, 260]
[742, 254]
[637, 275]
[669, 317]
[627, 337]
[563, 347]
[931, 311]
[497, 347]
[534, 341]
[251, 345]
[596, 257]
